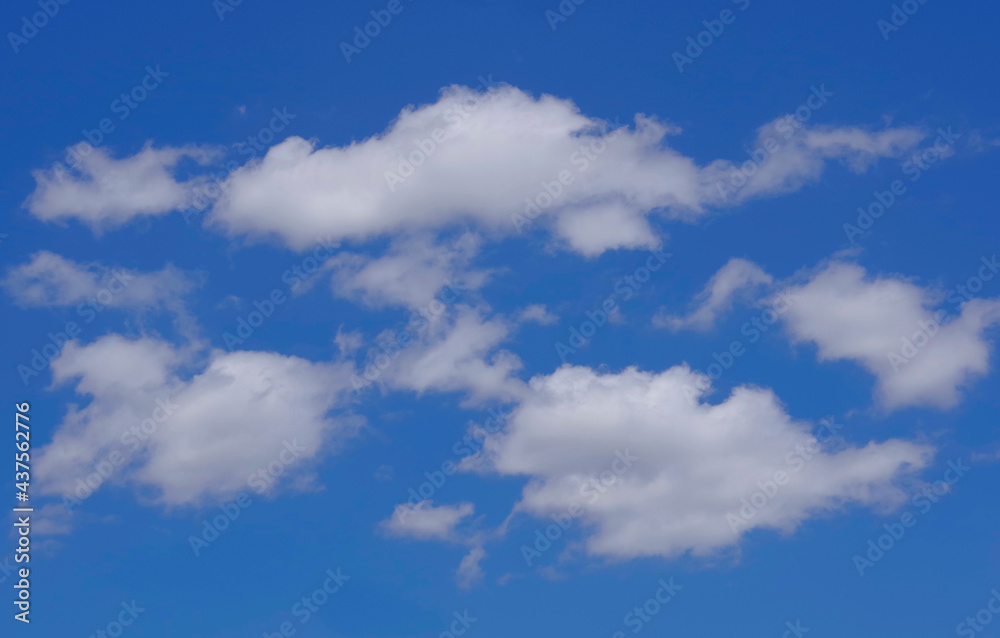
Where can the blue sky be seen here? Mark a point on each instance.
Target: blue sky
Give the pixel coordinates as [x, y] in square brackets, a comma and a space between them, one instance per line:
[697, 224]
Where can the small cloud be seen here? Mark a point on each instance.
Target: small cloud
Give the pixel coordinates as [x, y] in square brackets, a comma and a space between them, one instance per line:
[52, 520]
[470, 571]
[384, 473]
[348, 342]
[424, 521]
[232, 301]
[539, 314]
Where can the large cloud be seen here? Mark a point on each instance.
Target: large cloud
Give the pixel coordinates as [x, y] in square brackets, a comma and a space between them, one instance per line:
[501, 159]
[475, 156]
[680, 466]
[195, 438]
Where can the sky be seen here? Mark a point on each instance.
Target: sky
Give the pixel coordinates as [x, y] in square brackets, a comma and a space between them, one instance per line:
[411, 319]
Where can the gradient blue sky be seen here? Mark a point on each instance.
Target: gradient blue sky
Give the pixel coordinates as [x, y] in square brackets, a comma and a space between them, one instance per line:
[223, 80]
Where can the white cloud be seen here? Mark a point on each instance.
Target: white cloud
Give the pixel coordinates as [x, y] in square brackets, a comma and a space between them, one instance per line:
[798, 155]
[469, 570]
[426, 521]
[48, 279]
[410, 274]
[737, 276]
[190, 438]
[489, 159]
[695, 461]
[470, 156]
[871, 320]
[538, 313]
[104, 192]
[458, 353]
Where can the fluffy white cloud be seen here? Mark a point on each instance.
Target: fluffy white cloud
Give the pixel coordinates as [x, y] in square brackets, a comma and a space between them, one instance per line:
[190, 438]
[426, 521]
[652, 470]
[501, 159]
[488, 157]
[737, 276]
[921, 353]
[48, 279]
[105, 192]
[459, 353]
[410, 274]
